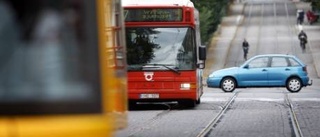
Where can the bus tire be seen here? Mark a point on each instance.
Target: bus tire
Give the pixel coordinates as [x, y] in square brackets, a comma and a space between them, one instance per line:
[198, 101]
[132, 104]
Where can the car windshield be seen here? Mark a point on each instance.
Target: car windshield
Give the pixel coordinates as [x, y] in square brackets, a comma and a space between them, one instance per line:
[165, 47]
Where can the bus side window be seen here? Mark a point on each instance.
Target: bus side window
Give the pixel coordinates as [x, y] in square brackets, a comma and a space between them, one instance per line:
[9, 46]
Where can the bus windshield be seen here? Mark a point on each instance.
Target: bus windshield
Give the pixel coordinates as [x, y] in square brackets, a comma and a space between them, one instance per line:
[151, 48]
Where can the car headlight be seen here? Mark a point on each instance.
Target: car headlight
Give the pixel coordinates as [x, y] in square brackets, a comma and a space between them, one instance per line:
[211, 76]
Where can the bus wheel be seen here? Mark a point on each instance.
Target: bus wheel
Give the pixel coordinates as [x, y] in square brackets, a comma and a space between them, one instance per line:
[132, 104]
[198, 101]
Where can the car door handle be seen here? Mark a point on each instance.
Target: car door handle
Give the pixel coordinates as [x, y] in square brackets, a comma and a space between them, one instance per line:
[264, 69]
[287, 69]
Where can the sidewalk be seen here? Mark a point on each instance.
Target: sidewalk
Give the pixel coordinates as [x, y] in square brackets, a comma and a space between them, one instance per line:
[313, 32]
[217, 50]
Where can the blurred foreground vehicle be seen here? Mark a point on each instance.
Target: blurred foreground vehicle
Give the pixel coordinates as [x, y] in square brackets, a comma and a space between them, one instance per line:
[62, 68]
[271, 70]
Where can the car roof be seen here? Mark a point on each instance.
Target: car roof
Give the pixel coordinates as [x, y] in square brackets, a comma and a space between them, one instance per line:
[275, 55]
[279, 55]
[187, 3]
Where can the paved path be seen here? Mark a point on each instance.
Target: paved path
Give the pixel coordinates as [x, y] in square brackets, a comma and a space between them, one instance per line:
[219, 47]
[313, 32]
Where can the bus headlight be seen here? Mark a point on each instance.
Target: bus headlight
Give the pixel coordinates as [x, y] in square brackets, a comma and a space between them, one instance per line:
[185, 86]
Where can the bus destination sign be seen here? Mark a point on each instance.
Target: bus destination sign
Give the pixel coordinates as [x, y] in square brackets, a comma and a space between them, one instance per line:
[153, 15]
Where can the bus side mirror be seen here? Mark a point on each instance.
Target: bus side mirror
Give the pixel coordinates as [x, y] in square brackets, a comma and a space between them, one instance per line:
[202, 57]
[202, 53]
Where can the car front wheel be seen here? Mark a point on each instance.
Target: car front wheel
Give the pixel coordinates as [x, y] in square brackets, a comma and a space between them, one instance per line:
[294, 85]
[228, 84]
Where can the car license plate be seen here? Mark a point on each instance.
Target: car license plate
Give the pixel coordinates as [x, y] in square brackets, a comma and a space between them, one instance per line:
[149, 95]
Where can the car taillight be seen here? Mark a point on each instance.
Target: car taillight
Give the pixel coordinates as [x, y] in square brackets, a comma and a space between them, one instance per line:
[305, 69]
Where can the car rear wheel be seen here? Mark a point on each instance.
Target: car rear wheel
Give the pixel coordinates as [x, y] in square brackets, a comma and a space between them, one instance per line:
[228, 84]
[294, 85]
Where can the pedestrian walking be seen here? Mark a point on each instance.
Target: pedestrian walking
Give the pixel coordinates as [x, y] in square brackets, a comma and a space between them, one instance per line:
[300, 17]
[245, 47]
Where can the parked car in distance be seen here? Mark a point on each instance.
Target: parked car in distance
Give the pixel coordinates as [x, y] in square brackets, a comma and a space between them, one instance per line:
[270, 70]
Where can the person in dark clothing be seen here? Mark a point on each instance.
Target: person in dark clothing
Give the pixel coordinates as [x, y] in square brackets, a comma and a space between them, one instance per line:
[302, 36]
[245, 47]
[300, 17]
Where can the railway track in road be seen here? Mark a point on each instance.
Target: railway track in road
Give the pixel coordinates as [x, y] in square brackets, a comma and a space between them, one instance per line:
[270, 114]
[262, 38]
[216, 119]
[280, 38]
[143, 127]
[293, 121]
[236, 42]
[292, 30]
[166, 119]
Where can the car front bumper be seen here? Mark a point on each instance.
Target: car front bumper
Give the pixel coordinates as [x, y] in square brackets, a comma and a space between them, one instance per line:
[309, 83]
[213, 82]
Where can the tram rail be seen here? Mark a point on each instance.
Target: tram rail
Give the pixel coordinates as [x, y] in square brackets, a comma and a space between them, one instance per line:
[296, 129]
[206, 131]
[293, 117]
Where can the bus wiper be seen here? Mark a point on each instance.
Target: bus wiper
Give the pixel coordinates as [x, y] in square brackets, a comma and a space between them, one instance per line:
[134, 67]
[169, 68]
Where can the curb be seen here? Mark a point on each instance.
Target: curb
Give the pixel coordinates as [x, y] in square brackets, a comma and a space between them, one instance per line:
[314, 59]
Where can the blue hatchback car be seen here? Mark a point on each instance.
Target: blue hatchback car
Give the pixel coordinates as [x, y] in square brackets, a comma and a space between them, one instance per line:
[270, 70]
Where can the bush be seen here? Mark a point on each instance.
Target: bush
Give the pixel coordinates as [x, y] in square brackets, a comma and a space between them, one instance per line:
[211, 13]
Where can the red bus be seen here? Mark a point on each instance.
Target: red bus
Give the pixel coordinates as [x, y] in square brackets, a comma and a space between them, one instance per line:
[164, 52]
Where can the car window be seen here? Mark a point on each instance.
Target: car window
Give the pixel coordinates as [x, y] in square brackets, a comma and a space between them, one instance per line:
[259, 62]
[293, 62]
[279, 62]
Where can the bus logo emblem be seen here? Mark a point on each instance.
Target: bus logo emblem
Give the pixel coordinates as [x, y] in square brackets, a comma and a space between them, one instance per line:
[148, 76]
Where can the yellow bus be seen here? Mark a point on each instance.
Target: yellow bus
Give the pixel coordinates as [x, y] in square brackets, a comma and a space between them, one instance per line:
[62, 68]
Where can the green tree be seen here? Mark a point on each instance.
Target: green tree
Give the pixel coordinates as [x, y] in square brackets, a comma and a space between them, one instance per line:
[211, 13]
[315, 5]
